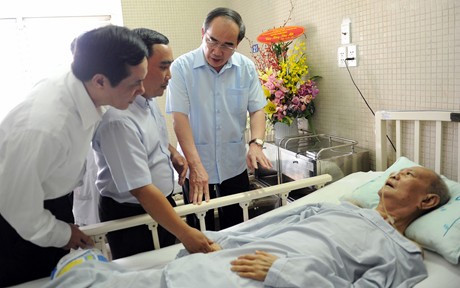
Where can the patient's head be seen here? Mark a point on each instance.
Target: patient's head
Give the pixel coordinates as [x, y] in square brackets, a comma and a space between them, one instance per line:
[410, 193]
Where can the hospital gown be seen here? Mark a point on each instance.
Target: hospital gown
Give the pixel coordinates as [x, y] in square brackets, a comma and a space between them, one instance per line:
[320, 245]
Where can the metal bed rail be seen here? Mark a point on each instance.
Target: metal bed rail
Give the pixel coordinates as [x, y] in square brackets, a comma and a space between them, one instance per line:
[99, 231]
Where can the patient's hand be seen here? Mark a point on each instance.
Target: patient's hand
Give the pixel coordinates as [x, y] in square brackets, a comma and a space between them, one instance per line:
[215, 247]
[254, 266]
[196, 242]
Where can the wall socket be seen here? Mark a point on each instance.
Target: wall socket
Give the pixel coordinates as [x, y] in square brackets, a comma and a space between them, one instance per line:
[352, 53]
[344, 52]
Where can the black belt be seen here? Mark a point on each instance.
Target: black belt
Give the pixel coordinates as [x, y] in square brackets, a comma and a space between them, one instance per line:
[136, 205]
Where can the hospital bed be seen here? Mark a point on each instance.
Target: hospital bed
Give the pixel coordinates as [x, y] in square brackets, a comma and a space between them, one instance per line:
[412, 130]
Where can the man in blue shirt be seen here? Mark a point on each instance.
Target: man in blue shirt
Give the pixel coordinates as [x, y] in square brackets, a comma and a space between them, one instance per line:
[211, 91]
[136, 164]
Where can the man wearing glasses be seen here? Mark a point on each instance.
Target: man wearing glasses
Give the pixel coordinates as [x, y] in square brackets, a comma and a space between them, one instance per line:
[210, 93]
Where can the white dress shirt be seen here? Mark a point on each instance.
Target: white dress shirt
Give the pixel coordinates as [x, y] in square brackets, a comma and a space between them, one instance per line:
[43, 146]
[86, 197]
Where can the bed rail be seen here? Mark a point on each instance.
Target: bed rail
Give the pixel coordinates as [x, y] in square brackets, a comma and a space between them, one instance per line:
[417, 117]
[98, 231]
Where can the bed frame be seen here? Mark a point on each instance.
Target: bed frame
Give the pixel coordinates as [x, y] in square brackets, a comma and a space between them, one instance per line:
[395, 120]
[418, 118]
[98, 231]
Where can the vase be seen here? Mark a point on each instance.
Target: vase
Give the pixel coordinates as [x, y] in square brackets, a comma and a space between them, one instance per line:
[283, 130]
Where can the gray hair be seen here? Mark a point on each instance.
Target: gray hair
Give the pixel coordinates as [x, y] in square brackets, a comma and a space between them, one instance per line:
[439, 187]
[229, 13]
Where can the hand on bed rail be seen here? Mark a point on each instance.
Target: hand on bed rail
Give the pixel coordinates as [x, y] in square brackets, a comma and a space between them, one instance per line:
[78, 239]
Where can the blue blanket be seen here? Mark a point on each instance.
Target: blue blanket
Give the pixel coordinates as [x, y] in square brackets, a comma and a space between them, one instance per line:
[320, 245]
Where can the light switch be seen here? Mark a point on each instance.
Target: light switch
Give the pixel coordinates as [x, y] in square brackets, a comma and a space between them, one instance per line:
[345, 31]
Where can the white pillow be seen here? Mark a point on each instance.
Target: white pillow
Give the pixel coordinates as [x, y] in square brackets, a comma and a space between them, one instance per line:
[438, 230]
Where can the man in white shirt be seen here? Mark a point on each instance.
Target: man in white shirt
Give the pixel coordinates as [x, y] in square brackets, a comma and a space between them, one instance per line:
[43, 146]
[136, 164]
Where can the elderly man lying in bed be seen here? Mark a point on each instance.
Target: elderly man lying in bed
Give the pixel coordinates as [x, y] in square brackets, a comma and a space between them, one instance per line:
[320, 245]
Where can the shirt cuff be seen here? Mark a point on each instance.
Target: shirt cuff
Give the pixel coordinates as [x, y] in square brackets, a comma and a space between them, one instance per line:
[273, 279]
[60, 236]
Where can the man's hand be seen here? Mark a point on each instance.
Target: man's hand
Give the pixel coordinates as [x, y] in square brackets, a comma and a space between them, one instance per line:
[180, 165]
[196, 242]
[216, 247]
[254, 266]
[78, 239]
[256, 156]
[198, 184]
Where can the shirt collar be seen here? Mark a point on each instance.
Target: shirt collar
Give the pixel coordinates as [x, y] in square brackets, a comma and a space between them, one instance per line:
[89, 113]
[143, 102]
[200, 60]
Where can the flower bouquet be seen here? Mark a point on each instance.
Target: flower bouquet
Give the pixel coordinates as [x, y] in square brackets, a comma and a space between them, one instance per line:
[283, 74]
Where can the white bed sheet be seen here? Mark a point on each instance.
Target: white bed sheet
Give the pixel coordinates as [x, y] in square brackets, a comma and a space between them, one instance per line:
[441, 273]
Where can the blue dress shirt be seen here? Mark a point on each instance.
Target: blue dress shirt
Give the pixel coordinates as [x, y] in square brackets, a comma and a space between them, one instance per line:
[217, 106]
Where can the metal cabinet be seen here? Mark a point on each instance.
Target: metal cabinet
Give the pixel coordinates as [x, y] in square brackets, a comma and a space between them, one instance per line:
[305, 156]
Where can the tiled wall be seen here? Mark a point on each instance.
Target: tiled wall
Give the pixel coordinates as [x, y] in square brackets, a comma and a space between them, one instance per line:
[179, 20]
[408, 52]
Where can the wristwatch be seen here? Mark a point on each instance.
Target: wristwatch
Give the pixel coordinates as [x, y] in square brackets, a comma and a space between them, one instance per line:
[258, 141]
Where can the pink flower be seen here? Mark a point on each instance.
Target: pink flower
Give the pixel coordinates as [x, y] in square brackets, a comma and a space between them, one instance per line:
[295, 100]
[279, 94]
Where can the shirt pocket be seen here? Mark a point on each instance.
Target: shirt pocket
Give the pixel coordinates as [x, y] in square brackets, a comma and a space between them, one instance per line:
[237, 100]
[207, 157]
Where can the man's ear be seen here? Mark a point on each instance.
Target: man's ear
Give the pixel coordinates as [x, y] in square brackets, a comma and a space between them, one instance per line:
[430, 201]
[98, 80]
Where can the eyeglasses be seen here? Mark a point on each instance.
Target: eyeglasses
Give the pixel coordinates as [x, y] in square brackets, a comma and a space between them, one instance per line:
[211, 43]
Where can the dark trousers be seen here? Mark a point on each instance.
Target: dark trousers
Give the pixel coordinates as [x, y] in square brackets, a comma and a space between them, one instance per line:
[21, 260]
[228, 215]
[132, 240]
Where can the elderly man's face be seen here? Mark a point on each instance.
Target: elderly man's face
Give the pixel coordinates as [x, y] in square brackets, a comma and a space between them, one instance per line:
[407, 187]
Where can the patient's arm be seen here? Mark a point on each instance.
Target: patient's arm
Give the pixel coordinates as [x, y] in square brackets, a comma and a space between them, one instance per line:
[254, 266]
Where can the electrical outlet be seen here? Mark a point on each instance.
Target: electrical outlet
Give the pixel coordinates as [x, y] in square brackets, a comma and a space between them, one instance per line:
[353, 54]
[341, 55]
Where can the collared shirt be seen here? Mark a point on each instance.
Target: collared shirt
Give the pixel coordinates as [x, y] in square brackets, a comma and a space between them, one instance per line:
[131, 149]
[217, 106]
[43, 146]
